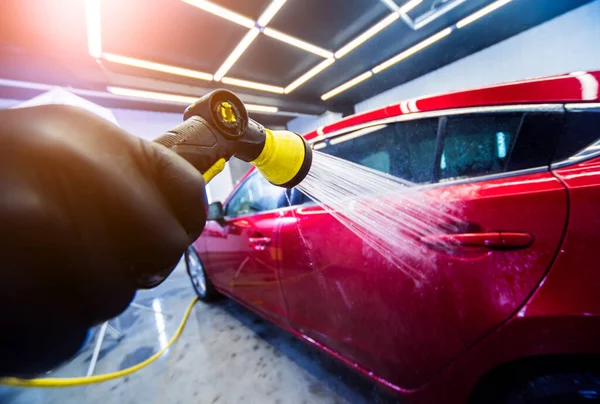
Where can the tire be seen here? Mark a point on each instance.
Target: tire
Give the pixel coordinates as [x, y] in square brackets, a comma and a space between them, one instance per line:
[198, 276]
[554, 388]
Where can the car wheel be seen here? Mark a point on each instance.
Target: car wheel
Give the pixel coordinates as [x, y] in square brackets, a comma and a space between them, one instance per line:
[200, 280]
[554, 388]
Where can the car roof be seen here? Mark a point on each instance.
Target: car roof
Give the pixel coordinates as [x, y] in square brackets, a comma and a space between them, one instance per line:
[571, 87]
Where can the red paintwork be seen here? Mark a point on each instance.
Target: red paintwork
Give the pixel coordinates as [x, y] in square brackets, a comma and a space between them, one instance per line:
[565, 88]
[523, 279]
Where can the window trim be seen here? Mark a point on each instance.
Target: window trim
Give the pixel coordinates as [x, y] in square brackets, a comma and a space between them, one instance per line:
[489, 177]
[439, 149]
[447, 113]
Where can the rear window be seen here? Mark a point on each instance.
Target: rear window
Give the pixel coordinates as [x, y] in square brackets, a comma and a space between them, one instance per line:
[581, 130]
[404, 149]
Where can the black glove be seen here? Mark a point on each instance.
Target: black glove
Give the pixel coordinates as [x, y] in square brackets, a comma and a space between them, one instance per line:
[85, 209]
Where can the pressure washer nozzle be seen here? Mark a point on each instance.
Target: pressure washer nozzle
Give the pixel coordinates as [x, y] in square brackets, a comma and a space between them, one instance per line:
[217, 127]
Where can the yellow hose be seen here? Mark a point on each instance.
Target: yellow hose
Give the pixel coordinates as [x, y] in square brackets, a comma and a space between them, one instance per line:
[80, 381]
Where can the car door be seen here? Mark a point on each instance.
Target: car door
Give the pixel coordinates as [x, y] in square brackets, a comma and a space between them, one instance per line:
[492, 171]
[242, 247]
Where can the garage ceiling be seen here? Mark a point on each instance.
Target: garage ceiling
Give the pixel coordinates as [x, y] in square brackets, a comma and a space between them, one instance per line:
[108, 49]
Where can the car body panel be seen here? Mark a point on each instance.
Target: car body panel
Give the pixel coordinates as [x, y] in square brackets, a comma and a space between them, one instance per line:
[574, 285]
[405, 329]
[243, 259]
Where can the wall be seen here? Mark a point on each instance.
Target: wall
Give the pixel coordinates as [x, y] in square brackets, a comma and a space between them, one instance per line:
[304, 124]
[7, 103]
[567, 43]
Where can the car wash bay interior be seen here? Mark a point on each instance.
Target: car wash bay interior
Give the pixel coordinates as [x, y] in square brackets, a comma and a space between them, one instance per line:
[227, 353]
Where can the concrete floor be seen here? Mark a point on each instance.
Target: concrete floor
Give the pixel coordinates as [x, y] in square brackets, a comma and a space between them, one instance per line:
[226, 354]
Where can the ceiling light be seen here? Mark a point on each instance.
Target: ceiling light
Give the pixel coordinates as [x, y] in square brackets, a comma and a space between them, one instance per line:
[237, 52]
[366, 35]
[94, 37]
[151, 95]
[308, 75]
[391, 4]
[144, 64]
[252, 84]
[179, 99]
[261, 108]
[270, 12]
[478, 14]
[412, 50]
[355, 134]
[221, 12]
[409, 6]
[346, 85]
[319, 146]
[290, 40]
[436, 13]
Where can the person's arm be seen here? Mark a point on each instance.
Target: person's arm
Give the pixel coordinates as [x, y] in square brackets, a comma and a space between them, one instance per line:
[84, 207]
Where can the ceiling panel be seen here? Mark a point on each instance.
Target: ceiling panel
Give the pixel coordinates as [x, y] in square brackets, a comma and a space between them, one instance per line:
[168, 31]
[506, 22]
[270, 61]
[249, 8]
[329, 24]
[45, 41]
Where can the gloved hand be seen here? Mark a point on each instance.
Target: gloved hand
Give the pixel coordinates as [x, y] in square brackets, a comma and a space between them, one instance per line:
[84, 207]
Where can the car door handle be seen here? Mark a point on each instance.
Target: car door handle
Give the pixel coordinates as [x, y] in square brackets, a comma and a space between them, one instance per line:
[259, 243]
[494, 240]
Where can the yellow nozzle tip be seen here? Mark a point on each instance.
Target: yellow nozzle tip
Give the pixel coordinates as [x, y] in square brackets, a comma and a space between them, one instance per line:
[227, 113]
[285, 159]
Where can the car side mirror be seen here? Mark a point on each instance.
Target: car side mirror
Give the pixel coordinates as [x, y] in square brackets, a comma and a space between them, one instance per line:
[215, 212]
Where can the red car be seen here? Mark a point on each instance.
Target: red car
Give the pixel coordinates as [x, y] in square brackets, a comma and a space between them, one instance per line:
[509, 314]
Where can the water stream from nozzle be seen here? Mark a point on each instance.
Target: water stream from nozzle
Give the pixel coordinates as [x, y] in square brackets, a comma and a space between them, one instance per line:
[387, 213]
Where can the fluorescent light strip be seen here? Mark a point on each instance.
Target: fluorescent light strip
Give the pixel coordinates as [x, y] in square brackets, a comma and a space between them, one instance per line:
[151, 95]
[409, 6]
[318, 146]
[222, 12]
[179, 99]
[355, 42]
[308, 75]
[391, 5]
[93, 25]
[434, 15]
[412, 50]
[484, 11]
[252, 84]
[144, 64]
[290, 40]
[346, 85]
[270, 12]
[237, 52]
[366, 35]
[354, 135]
[126, 93]
[261, 108]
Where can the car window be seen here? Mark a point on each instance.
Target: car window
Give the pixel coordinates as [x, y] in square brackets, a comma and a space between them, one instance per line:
[581, 130]
[255, 195]
[404, 149]
[536, 140]
[477, 145]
